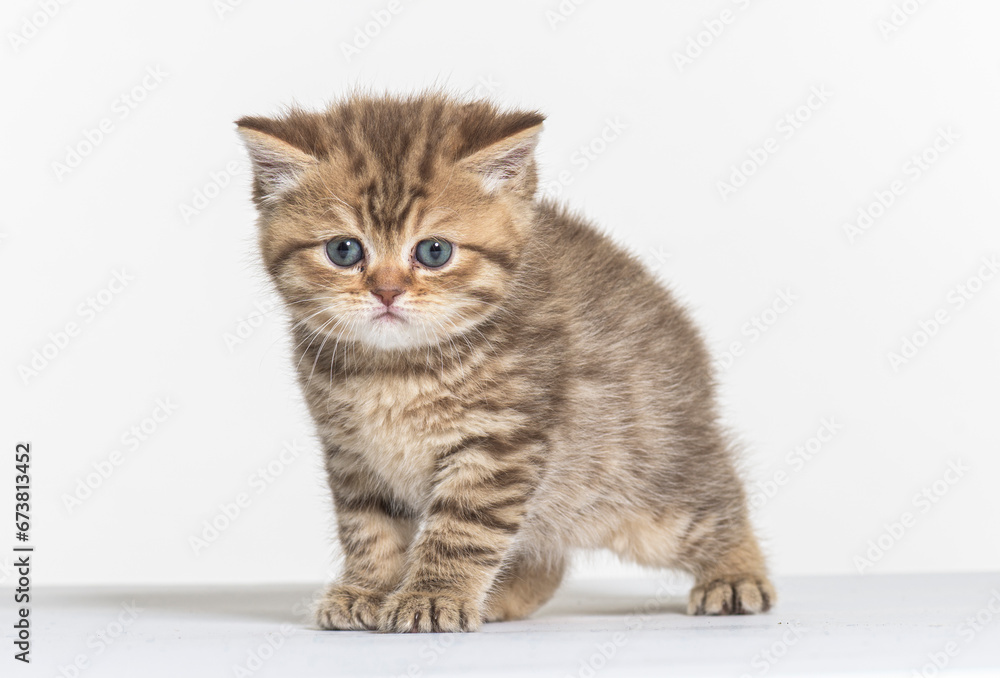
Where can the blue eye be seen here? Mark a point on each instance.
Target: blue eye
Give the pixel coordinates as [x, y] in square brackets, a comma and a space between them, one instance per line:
[344, 251]
[433, 253]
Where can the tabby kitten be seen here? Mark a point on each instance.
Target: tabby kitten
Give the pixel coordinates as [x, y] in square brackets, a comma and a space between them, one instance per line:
[493, 380]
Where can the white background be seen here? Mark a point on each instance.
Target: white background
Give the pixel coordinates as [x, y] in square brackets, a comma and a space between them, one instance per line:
[195, 282]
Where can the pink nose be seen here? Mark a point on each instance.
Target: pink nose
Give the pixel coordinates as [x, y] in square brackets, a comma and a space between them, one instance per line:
[387, 295]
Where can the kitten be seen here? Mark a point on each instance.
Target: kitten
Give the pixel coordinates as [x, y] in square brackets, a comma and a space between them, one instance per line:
[494, 382]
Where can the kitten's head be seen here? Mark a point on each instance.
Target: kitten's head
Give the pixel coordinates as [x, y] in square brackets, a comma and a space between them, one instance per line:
[393, 222]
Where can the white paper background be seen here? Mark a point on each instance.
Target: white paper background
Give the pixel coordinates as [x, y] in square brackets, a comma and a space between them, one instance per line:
[127, 207]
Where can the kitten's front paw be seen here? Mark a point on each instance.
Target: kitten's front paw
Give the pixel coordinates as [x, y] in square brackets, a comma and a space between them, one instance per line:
[423, 612]
[735, 594]
[345, 607]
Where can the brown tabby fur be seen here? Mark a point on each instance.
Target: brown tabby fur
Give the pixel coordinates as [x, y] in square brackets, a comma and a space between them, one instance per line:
[543, 393]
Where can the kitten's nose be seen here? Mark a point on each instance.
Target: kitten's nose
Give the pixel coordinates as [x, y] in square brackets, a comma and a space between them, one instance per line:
[387, 295]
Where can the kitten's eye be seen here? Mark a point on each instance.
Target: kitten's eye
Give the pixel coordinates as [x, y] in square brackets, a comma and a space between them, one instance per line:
[344, 251]
[433, 253]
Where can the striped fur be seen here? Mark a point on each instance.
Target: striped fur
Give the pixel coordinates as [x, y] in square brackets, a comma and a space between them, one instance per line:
[540, 392]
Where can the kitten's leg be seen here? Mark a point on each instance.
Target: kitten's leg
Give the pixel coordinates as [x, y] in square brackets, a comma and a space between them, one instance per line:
[524, 585]
[374, 537]
[478, 503]
[729, 569]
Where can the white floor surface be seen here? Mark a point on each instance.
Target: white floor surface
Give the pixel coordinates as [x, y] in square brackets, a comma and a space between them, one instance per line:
[883, 625]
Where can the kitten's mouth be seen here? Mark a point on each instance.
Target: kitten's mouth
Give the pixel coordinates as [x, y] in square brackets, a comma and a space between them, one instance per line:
[388, 316]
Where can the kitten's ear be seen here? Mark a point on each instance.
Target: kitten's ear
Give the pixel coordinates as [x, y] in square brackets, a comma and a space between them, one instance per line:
[277, 164]
[509, 163]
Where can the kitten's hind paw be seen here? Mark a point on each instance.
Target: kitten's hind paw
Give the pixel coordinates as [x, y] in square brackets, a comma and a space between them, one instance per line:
[345, 607]
[734, 594]
[428, 612]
